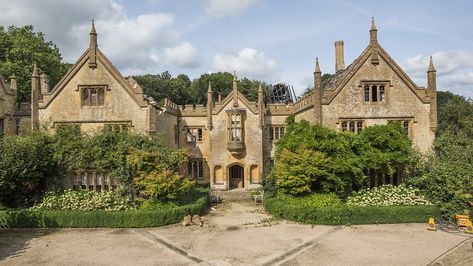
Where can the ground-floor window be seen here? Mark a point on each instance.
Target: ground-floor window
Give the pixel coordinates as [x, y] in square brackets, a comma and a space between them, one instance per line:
[196, 168]
[354, 125]
[404, 124]
[93, 181]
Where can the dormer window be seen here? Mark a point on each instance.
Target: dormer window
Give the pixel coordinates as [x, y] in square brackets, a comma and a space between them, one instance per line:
[374, 92]
[92, 95]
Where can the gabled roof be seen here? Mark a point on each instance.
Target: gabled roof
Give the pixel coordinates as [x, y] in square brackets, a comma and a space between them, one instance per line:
[134, 93]
[250, 105]
[5, 87]
[337, 82]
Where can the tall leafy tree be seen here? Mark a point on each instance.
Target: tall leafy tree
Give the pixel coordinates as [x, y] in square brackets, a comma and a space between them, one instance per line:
[20, 48]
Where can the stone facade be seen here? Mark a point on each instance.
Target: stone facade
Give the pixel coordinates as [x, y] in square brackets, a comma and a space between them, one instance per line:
[14, 118]
[231, 141]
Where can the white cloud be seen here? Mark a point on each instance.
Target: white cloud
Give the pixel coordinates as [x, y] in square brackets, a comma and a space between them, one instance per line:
[183, 55]
[134, 44]
[249, 63]
[222, 8]
[454, 70]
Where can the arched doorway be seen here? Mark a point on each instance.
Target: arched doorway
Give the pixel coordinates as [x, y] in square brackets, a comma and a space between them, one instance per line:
[236, 176]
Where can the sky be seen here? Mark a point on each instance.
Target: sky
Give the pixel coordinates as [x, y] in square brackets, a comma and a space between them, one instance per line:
[269, 40]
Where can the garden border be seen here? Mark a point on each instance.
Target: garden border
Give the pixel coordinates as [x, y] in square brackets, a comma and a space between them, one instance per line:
[94, 219]
[346, 215]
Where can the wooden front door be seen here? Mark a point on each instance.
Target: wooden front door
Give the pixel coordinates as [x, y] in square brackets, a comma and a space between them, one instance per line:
[236, 176]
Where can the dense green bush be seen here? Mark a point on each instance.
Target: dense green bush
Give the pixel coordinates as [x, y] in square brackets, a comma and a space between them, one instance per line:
[346, 215]
[25, 162]
[314, 158]
[92, 219]
[29, 164]
[388, 195]
[311, 200]
[84, 201]
[155, 180]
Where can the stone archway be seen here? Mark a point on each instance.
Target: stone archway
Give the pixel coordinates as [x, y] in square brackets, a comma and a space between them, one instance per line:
[236, 176]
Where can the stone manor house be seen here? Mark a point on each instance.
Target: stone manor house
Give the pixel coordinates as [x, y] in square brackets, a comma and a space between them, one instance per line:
[231, 141]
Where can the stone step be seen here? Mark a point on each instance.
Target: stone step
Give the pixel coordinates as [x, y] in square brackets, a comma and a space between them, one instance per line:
[234, 195]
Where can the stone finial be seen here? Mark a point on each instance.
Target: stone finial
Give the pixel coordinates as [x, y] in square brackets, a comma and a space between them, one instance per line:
[210, 87]
[235, 90]
[35, 71]
[373, 32]
[93, 47]
[431, 66]
[317, 67]
[92, 31]
[373, 26]
[260, 88]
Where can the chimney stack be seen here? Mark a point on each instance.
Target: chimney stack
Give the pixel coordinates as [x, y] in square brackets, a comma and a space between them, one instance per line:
[339, 57]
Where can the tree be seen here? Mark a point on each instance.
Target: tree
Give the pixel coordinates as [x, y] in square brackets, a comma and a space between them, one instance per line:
[385, 150]
[25, 163]
[163, 85]
[20, 49]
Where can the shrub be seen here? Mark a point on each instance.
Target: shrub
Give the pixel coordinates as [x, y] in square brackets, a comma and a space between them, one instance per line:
[84, 201]
[194, 194]
[346, 215]
[164, 186]
[25, 162]
[388, 195]
[93, 219]
[311, 200]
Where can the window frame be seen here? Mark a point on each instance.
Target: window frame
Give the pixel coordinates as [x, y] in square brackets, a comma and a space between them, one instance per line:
[95, 95]
[276, 132]
[195, 168]
[375, 91]
[235, 128]
[351, 125]
[194, 134]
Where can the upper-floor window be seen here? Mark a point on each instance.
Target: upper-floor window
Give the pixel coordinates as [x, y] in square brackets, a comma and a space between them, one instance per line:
[375, 92]
[92, 95]
[235, 129]
[355, 126]
[276, 132]
[196, 168]
[194, 135]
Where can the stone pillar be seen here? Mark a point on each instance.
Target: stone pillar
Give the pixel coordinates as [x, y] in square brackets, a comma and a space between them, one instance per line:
[35, 95]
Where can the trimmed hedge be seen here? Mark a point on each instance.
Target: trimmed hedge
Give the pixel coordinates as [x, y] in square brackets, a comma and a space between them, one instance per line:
[93, 219]
[345, 215]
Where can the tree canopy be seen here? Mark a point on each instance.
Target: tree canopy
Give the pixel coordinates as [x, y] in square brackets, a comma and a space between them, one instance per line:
[183, 91]
[20, 49]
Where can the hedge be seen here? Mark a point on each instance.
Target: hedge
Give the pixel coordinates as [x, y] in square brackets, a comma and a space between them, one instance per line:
[93, 219]
[345, 215]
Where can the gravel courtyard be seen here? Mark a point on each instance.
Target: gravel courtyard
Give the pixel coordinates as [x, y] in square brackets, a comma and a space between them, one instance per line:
[237, 233]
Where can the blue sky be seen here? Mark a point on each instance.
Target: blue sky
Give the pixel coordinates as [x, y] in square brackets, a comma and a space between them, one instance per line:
[274, 41]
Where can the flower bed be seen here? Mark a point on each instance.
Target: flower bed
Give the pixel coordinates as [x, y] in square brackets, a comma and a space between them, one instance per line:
[388, 195]
[84, 200]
